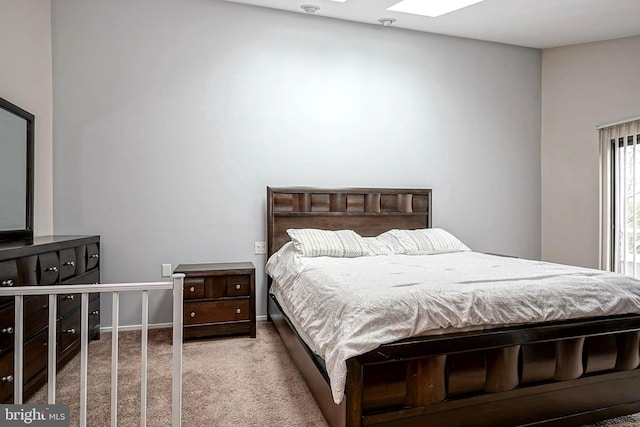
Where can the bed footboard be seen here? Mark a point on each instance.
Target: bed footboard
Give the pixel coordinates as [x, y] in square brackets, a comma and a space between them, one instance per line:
[560, 374]
[540, 375]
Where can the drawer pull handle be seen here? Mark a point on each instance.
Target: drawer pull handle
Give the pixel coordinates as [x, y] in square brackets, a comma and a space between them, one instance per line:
[7, 282]
[70, 331]
[69, 297]
[44, 307]
[238, 286]
[238, 310]
[192, 289]
[94, 313]
[7, 379]
[8, 330]
[53, 269]
[70, 263]
[94, 256]
[193, 314]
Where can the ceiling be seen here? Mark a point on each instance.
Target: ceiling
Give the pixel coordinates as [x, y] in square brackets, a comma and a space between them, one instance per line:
[532, 23]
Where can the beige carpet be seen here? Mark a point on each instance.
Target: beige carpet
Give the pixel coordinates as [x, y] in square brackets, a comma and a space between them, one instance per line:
[226, 382]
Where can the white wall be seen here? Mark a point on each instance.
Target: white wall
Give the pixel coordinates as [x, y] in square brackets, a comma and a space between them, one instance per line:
[25, 80]
[582, 86]
[172, 117]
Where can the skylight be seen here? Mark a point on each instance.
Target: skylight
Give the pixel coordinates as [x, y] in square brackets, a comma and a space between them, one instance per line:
[431, 8]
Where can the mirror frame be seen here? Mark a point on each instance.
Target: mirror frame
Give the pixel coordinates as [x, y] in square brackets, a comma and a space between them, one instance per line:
[27, 232]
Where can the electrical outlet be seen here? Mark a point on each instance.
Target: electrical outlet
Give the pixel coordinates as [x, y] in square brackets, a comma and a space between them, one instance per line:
[260, 248]
[166, 270]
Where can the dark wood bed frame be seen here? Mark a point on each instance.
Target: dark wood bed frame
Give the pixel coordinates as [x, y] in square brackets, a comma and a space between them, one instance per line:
[546, 374]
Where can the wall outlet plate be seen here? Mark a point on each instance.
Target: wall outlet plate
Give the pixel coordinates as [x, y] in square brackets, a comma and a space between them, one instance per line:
[260, 248]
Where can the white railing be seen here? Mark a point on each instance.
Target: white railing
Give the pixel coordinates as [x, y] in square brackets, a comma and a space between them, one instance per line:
[176, 394]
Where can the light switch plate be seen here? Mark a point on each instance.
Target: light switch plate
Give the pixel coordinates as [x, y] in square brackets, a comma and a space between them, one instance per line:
[166, 270]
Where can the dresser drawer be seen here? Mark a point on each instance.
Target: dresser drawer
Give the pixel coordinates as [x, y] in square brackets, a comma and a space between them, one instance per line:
[8, 273]
[6, 376]
[36, 314]
[193, 288]
[67, 263]
[8, 277]
[35, 360]
[6, 328]
[47, 269]
[94, 316]
[238, 285]
[228, 310]
[35, 356]
[69, 331]
[81, 259]
[67, 303]
[92, 256]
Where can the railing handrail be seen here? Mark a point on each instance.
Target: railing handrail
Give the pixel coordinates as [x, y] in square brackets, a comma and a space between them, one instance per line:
[80, 288]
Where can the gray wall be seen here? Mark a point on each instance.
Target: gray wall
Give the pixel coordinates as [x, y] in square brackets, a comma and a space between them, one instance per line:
[25, 80]
[583, 86]
[172, 116]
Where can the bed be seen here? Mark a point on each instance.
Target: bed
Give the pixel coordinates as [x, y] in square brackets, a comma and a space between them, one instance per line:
[552, 373]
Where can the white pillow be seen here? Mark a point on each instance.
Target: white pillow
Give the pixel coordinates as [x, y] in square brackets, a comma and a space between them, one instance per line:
[377, 246]
[391, 239]
[310, 242]
[424, 241]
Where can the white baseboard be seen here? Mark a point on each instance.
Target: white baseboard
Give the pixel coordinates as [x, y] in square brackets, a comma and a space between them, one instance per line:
[137, 327]
[158, 325]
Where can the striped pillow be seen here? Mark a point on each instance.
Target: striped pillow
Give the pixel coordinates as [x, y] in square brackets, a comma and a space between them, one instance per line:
[310, 242]
[423, 241]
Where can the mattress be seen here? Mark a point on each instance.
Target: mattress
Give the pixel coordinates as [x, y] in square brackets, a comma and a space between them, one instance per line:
[344, 307]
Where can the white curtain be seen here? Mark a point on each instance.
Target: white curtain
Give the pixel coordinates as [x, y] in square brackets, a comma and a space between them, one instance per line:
[620, 197]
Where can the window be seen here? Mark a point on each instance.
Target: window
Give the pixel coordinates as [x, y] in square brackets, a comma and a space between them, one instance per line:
[620, 196]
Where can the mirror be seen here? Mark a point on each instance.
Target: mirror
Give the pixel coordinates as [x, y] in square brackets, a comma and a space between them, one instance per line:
[16, 172]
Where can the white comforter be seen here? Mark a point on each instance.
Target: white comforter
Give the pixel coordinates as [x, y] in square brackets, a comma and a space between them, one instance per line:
[348, 306]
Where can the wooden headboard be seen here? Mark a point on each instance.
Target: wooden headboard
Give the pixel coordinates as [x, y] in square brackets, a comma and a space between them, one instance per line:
[368, 211]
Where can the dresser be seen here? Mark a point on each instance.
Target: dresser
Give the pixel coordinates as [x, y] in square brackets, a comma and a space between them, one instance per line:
[219, 299]
[44, 261]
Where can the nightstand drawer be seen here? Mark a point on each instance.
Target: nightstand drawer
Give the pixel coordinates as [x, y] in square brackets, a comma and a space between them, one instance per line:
[238, 285]
[193, 288]
[216, 311]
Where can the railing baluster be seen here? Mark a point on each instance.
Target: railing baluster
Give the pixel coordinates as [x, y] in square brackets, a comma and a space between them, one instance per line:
[51, 349]
[84, 355]
[18, 350]
[143, 368]
[115, 314]
[176, 395]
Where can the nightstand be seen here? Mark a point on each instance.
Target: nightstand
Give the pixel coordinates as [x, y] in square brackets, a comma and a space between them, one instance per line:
[219, 299]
